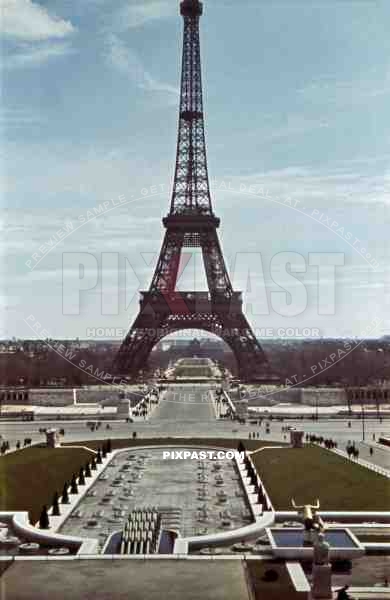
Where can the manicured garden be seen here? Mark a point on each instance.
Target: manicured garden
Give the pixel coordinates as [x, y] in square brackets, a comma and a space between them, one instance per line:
[308, 473]
[29, 478]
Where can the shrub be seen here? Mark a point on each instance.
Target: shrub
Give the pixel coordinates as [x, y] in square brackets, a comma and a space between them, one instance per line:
[56, 506]
[44, 518]
[65, 496]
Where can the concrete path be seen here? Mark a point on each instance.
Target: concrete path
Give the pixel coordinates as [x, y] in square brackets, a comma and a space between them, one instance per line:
[364, 463]
[125, 580]
[380, 455]
[184, 404]
[186, 411]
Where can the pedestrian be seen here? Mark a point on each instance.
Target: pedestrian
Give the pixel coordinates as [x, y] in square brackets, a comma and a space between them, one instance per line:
[342, 594]
[371, 450]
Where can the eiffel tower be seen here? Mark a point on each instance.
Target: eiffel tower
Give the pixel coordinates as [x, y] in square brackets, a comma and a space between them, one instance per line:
[190, 223]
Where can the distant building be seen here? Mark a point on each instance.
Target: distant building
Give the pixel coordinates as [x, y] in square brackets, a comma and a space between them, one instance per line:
[368, 394]
[322, 396]
[14, 396]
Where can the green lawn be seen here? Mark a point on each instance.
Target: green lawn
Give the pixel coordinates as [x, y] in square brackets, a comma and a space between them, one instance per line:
[29, 478]
[167, 441]
[312, 472]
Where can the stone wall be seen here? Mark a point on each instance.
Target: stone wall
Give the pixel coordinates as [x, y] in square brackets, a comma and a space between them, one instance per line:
[105, 395]
[324, 396]
[270, 395]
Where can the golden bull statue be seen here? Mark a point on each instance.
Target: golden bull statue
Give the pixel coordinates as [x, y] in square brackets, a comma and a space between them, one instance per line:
[309, 514]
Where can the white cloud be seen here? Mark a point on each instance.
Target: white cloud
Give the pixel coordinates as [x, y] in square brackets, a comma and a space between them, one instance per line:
[137, 13]
[344, 93]
[26, 20]
[126, 60]
[33, 56]
[32, 33]
[294, 126]
[336, 186]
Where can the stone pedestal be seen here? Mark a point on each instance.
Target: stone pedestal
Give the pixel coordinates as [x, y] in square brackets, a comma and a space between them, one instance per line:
[321, 586]
[52, 438]
[296, 438]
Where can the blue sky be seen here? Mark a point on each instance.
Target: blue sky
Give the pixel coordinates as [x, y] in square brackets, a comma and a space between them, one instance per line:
[296, 100]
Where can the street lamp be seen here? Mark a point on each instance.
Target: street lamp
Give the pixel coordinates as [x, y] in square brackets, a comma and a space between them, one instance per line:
[363, 423]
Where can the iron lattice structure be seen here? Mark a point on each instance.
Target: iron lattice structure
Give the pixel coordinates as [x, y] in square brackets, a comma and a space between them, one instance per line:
[190, 223]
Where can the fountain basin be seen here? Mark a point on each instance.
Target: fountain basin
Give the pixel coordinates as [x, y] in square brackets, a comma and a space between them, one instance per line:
[289, 543]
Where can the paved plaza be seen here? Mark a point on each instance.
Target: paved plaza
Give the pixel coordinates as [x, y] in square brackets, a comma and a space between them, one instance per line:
[125, 580]
[184, 404]
[183, 491]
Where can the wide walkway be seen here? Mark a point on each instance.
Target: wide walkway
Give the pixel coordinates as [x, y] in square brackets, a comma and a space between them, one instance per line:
[379, 461]
[185, 403]
[187, 411]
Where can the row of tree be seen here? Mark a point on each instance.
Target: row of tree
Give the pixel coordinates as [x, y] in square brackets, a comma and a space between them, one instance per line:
[368, 362]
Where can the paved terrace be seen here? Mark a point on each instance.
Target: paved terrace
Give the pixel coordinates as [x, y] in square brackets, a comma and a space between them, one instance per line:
[137, 479]
[125, 580]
